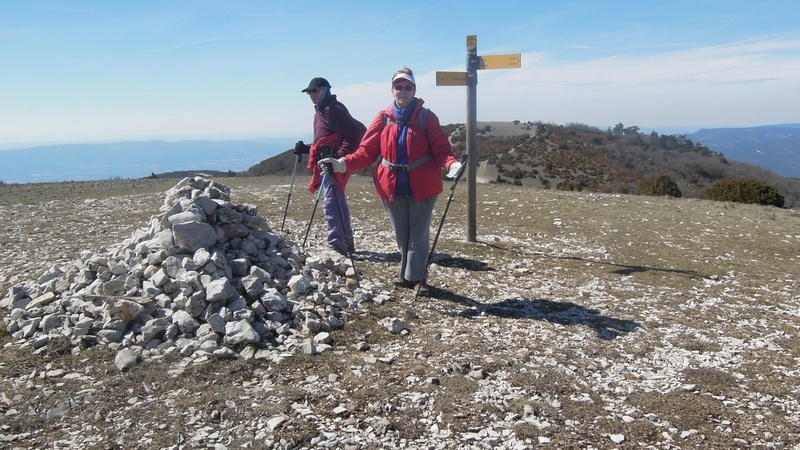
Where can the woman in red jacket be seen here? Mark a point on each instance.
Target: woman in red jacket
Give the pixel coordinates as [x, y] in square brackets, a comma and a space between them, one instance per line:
[413, 148]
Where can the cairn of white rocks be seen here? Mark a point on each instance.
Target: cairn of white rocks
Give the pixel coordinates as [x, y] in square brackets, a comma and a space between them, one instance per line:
[206, 279]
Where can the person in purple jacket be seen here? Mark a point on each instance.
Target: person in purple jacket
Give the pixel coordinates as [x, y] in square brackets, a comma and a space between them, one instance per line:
[336, 134]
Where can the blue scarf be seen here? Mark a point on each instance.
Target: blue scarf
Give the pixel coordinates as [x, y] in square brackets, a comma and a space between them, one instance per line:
[402, 116]
[324, 92]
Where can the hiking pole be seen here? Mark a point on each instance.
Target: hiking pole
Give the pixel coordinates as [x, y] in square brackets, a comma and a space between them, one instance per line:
[329, 168]
[316, 202]
[286, 210]
[441, 222]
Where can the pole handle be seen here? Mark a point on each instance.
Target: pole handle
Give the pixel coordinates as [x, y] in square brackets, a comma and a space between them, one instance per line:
[460, 171]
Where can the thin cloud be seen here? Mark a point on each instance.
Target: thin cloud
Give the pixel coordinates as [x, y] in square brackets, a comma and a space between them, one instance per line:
[189, 44]
[582, 47]
[677, 88]
[64, 9]
[270, 30]
[730, 63]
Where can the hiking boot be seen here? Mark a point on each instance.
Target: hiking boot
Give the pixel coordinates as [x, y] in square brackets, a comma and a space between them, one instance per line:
[423, 289]
[402, 282]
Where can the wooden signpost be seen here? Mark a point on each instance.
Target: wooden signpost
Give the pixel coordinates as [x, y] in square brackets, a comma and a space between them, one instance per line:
[470, 80]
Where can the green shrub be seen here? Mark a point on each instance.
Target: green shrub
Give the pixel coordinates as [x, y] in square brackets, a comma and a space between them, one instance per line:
[658, 186]
[745, 190]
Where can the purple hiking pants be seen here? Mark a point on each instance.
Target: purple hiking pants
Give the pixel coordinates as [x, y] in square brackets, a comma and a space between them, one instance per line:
[337, 217]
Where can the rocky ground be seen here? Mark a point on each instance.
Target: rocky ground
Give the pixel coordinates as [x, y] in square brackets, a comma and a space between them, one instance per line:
[577, 320]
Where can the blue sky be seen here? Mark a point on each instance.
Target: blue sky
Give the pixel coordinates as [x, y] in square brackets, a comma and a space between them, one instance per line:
[94, 71]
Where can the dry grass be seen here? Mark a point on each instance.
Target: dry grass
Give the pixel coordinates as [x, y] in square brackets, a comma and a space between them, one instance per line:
[565, 301]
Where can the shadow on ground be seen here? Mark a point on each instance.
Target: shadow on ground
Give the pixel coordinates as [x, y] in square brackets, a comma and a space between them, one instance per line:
[621, 269]
[440, 259]
[563, 313]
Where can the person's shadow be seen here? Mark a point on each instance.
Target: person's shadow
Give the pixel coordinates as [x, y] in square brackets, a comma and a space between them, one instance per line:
[440, 259]
[560, 312]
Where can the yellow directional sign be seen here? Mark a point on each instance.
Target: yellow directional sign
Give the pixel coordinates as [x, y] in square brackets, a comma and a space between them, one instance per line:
[510, 61]
[451, 78]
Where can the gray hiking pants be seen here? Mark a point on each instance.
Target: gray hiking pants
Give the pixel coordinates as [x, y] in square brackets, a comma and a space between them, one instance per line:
[411, 222]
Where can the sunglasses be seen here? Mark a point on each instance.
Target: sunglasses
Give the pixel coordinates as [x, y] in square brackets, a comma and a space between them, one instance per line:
[312, 91]
[401, 87]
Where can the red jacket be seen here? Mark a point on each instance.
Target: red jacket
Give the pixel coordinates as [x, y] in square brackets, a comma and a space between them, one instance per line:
[330, 140]
[380, 140]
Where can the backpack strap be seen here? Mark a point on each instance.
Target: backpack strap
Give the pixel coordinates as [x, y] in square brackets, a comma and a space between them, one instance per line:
[423, 115]
[423, 119]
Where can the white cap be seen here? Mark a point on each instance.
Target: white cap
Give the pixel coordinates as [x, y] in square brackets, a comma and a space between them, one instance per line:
[404, 76]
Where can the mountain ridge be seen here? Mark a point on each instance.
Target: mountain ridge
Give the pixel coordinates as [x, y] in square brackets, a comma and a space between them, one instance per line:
[771, 147]
[132, 159]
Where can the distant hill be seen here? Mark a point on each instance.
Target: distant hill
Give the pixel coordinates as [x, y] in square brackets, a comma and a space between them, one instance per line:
[133, 159]
[771, 147]
[579, 157]
[567, 157]
[194, 173]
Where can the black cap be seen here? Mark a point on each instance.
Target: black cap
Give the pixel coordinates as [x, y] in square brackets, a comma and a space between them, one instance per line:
[317, 82]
